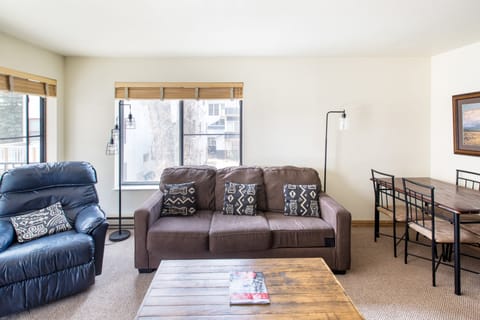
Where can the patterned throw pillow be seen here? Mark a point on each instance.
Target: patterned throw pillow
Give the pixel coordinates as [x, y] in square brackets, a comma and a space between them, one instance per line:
[301, 200]
[40, 223]
[179, 199]
[240, 199]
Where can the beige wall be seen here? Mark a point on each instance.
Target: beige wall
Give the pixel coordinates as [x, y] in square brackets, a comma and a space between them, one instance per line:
[285, 102]
[21, 56]
[453, 72]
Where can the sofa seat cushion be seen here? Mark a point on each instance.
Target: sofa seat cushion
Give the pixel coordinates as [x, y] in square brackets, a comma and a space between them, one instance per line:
[230, 233]
[186, 234]
[299, 232]
[45, 256]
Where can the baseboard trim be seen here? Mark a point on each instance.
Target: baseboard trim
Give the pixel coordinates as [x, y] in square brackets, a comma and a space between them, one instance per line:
[370, 223]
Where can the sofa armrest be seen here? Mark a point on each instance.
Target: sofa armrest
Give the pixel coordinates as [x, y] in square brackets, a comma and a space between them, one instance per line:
[144, 217]
[341, 221]
[88, 219]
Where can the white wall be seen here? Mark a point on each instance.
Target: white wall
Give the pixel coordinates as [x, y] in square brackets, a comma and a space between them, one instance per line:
[21, 56]
[285, 102]
[453, 72]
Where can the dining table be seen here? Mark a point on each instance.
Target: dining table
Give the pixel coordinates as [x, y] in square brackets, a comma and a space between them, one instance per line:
[454, 199]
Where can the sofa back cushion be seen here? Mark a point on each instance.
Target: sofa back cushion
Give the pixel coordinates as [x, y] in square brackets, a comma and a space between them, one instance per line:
[276, 177]
[249, 175]
[202, 176]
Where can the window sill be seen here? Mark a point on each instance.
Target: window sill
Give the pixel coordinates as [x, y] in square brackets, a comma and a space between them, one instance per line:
[137, 187]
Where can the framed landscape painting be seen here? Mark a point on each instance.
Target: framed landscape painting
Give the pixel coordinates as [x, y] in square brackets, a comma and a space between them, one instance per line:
[466, 123]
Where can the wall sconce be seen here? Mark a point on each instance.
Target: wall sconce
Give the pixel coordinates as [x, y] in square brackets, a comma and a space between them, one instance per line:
[115, 146]
[343, 125]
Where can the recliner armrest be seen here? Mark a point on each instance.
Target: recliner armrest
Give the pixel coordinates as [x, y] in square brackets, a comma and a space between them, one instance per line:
[88, 219]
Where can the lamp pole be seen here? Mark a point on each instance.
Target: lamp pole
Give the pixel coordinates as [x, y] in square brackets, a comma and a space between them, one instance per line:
[344, 115]
[120, 234]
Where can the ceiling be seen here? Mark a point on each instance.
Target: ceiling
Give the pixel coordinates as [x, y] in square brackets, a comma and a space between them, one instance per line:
[213, 28]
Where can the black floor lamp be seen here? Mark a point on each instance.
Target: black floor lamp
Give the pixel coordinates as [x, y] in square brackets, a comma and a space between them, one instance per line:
[343, 124]
[115, 146]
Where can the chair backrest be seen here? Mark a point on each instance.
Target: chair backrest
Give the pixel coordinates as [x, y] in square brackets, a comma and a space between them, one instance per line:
[420, 200]
[384, 189]
[468, 179]
[36, 186]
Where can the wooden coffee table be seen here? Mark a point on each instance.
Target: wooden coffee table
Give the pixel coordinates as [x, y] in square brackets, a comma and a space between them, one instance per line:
[199, 289]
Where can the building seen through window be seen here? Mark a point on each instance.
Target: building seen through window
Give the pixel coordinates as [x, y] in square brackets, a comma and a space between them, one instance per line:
[180, 132]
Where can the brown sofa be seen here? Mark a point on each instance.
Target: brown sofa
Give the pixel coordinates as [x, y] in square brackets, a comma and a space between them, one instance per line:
[211, 234]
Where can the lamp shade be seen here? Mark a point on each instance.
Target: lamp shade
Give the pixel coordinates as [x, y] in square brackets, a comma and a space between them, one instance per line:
[343, 122]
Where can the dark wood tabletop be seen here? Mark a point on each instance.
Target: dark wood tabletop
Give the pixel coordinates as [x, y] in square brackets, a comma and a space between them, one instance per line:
[448, 195]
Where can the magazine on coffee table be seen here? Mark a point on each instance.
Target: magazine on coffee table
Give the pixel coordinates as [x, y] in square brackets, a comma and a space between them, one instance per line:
[248, 287]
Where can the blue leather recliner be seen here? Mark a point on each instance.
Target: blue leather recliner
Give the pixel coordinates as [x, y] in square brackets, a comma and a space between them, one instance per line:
[54, 266]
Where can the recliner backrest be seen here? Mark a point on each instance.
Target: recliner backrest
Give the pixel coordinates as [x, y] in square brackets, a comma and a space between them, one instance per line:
[35, 186]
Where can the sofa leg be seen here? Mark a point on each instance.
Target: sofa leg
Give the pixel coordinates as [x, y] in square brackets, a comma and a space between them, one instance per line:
[141, 270]
[339, 271]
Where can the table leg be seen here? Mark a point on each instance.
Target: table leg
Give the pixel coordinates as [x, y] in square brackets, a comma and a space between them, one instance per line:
[456, 244]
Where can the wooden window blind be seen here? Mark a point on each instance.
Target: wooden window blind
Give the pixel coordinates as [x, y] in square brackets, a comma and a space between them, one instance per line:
[22, 82]
[179, 90]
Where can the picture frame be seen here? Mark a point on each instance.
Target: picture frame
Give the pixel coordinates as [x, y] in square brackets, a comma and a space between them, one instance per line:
[466, 123]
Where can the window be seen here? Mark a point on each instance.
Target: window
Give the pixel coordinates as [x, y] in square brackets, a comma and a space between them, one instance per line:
[22, 130]
[180, 132]
[213, 109]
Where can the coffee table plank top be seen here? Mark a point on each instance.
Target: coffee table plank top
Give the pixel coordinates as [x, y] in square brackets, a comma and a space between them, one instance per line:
[196, 289]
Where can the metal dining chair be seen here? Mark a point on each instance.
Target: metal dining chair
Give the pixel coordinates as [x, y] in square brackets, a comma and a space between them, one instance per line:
[470, 180]
[388, 203]
[422, 218]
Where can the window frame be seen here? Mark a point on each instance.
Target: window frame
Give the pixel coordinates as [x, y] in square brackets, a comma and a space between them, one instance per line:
[28, 136]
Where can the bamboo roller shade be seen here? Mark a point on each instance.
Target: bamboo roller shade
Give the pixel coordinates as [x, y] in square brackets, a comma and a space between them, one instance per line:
[178, 90]
[17, 81]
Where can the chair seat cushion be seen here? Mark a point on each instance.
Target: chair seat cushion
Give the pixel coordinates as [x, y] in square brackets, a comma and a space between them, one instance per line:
[443, 231]
[400, 211]
[45, 256]
[232, 233]
[299, 232]
[187, 234]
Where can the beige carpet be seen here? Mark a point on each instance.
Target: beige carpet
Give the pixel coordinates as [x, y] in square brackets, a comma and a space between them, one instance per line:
[381, 286]
[116, 294]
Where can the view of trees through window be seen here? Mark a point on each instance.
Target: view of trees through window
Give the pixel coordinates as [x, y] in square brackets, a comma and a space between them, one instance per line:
[22, 133]
[180, 132]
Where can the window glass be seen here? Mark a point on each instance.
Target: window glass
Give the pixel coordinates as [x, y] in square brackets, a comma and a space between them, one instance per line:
[22, 137]
[208, 133]
[154, 143]
[212, 138]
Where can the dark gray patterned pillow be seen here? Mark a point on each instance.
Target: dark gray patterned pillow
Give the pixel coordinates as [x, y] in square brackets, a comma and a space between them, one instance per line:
[301, 200]
[179, 199]
[240, 199]
[40, 223]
